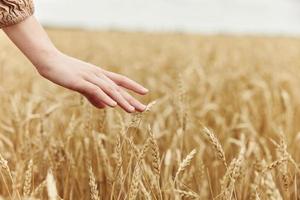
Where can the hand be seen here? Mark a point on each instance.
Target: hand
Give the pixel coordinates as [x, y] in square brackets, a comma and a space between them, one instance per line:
[102, 88]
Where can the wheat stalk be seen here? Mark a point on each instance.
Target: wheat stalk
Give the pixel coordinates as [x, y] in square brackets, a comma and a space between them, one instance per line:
[93, 185]
[4, 164]
[40, 188]
[216, 145]
[134, 186]
[155, 153]
[185, 163]
[28, 178]
[187, 194]
[105, 159]
[232, 174]
[147, 195]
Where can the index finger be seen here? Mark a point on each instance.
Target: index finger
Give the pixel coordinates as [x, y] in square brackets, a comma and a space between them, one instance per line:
[126, 82]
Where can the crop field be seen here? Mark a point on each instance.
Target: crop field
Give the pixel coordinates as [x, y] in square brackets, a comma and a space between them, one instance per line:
[222, 122]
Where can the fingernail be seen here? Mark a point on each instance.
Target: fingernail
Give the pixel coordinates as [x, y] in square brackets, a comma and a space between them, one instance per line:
[131, 109]
[145, 90]
[114, 104]
[143, 107]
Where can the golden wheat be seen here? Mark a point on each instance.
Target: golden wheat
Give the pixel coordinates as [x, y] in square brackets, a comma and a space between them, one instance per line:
[55, 145]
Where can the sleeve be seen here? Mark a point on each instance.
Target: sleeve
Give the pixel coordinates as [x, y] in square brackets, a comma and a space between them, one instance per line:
[15, 11]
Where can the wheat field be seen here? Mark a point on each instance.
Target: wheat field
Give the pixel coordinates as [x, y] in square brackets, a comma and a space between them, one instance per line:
[222, 121]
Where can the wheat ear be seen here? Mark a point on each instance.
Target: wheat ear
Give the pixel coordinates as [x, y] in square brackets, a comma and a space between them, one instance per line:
[28, 178]
[185, 163]
[93, 185]
[216, 145]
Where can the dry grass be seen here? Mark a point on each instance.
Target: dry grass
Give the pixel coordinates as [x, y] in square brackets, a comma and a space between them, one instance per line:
[225, 124]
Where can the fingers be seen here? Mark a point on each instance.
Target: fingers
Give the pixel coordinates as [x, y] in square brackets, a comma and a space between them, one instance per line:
[112, 91]
[135, 103]
[95, 95]
[96, 103]
[126, 82]
[131, 100]
[109, 91]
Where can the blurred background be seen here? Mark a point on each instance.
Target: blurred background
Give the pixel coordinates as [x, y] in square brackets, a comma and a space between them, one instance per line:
[245, 88]
[205, 16]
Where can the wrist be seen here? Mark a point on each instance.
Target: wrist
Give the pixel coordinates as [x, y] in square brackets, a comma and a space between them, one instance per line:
[46, 59]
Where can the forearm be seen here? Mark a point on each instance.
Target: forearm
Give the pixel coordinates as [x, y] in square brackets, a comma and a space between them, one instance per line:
[30, 37]
[101, 87]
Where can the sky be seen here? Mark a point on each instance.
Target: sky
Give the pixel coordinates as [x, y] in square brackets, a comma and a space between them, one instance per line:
[205, 16]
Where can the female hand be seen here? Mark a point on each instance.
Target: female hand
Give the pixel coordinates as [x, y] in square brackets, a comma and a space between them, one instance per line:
[101, 87]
